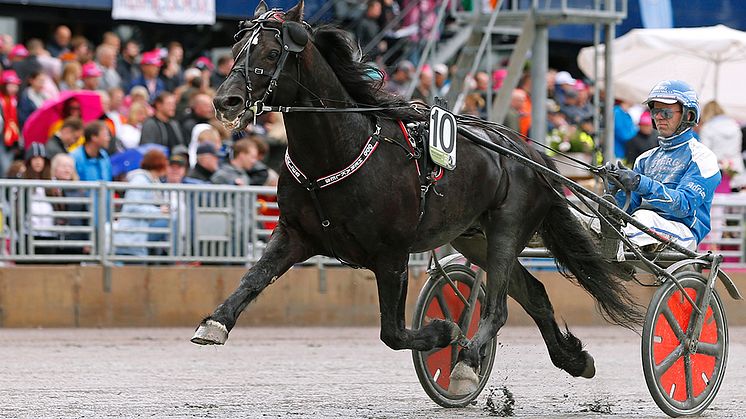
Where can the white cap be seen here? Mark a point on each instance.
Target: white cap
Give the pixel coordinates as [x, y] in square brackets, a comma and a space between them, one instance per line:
[563, 77]
[440, 69]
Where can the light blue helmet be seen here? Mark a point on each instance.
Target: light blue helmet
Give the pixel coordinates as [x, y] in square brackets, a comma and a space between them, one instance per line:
[672, 91]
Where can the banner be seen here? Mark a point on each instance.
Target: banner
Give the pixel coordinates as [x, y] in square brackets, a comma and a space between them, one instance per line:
[181, 12]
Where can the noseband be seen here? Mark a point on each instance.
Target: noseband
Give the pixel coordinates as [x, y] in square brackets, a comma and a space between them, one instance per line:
[293, 37]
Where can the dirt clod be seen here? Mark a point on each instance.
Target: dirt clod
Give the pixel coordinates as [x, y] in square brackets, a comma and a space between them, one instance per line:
[598, 406]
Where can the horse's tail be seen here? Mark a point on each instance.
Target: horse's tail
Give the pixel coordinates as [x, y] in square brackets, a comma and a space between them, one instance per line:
[575, 251]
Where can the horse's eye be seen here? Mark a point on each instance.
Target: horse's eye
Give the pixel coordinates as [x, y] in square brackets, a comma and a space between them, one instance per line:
[274, 54]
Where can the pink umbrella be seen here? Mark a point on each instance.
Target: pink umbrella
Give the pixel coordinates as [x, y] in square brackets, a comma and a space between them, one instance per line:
[40, 122]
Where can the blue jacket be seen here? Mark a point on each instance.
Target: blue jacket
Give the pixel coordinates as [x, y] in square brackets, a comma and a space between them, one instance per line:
[678, 181]
[140, 81]
[97, 168]
[624, 130]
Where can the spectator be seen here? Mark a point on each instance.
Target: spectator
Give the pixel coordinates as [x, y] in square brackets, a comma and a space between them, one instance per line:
[71, 74]
[442, 82]
[517, 100]
[32, 97]
[193, 84]
[39, 210]
[207, 164]
[113, 119]
[131, 131]
[400, 78]
[572, 107]
[9, 84]
[245, 156]
[17, 54]
[170, 75]
[141, 202]
[201, 111]
[30, 64]
[60, 42]
[106, 58]
[71, 107]
[140, 95]
[175, 56]
[259, 172]
[564, 82]
[175, 172]
[722, 134]
[66, 136]
[645, 139]
[150, 65]
[6, 45]
[423, 91]
[91, 75]
[368, 29]
[91, 160]
[162, 128]
[624, 128]
[473, 102]
[63, 169]
[205, 66]
[111, 39]
[225, 63]
[127, 64]
[81, 49]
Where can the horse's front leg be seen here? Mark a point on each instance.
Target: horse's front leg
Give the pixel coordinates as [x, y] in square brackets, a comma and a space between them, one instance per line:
[284, 249]
[392, 278]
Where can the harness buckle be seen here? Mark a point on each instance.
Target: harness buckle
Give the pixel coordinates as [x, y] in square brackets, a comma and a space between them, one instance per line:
[259, 71]
[326, 223]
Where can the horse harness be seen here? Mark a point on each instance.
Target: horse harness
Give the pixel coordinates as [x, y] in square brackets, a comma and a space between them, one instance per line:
[414, 137]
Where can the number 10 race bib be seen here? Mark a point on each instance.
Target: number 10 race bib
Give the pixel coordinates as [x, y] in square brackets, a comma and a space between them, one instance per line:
[442, 144]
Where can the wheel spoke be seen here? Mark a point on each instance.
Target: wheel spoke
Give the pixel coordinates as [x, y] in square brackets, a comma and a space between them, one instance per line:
[668, 361]
[675, 326]
[711, 349]
[688, 377]
[444, 306]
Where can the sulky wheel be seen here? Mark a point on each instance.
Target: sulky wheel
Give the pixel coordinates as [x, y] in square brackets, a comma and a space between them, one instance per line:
[437, 300]
[683, 382]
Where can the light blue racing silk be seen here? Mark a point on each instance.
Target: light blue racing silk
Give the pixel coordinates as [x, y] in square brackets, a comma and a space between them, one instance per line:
[678, 181]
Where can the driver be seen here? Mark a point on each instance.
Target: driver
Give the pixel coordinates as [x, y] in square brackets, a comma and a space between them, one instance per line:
[672, 185]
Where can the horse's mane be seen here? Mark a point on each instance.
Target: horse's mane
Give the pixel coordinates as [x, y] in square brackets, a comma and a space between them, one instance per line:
[336, 47]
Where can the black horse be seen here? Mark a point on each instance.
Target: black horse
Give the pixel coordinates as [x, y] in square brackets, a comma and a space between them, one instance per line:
[488, 207]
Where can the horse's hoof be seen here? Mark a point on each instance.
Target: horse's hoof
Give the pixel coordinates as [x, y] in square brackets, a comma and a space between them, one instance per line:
[590, 367]
[464, 380]
[210, 333]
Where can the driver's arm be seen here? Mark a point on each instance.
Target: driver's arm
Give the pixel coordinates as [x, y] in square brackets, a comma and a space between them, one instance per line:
[686, 198]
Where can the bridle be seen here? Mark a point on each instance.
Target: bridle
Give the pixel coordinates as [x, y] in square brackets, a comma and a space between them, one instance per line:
[293, 37]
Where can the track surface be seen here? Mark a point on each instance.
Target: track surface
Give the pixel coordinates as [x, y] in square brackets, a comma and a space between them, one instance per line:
[311, 372]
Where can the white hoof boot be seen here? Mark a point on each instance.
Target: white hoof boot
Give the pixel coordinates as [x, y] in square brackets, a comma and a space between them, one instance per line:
[464, 380]
[210, 333]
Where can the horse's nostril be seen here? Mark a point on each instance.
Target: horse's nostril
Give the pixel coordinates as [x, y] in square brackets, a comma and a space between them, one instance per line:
[233, 101]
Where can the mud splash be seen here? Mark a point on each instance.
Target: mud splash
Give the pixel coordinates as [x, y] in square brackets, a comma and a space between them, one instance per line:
[598, 406]
[500, 402]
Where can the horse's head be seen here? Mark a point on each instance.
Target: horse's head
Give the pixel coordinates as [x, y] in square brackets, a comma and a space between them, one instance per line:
[265, 54]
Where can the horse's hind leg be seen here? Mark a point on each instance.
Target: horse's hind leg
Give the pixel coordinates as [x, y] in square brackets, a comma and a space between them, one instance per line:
[284, 249]
[565, 350]
[392, 278]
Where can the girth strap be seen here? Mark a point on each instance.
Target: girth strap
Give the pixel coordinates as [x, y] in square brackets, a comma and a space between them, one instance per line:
[313, 186]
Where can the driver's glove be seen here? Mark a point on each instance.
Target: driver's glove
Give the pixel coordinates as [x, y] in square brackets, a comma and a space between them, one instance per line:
[629, 179]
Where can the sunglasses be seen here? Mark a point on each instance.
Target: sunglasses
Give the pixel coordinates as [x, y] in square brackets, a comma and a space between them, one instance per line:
[665, 113]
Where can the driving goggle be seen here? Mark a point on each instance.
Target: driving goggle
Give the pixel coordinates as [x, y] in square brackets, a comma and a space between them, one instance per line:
[665, 113]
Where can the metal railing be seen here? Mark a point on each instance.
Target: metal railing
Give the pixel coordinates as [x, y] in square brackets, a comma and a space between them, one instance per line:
[112, 223]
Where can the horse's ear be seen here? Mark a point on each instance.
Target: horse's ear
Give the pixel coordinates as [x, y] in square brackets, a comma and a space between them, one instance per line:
[296, 13]
[261, 8]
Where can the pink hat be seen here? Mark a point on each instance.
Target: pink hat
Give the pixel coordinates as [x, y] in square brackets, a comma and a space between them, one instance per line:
[18, 51]
[151, 58]
[204, 63]
[90, 69]
[10, 76]
[580, 85]
[498, 77]
[645, 119]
